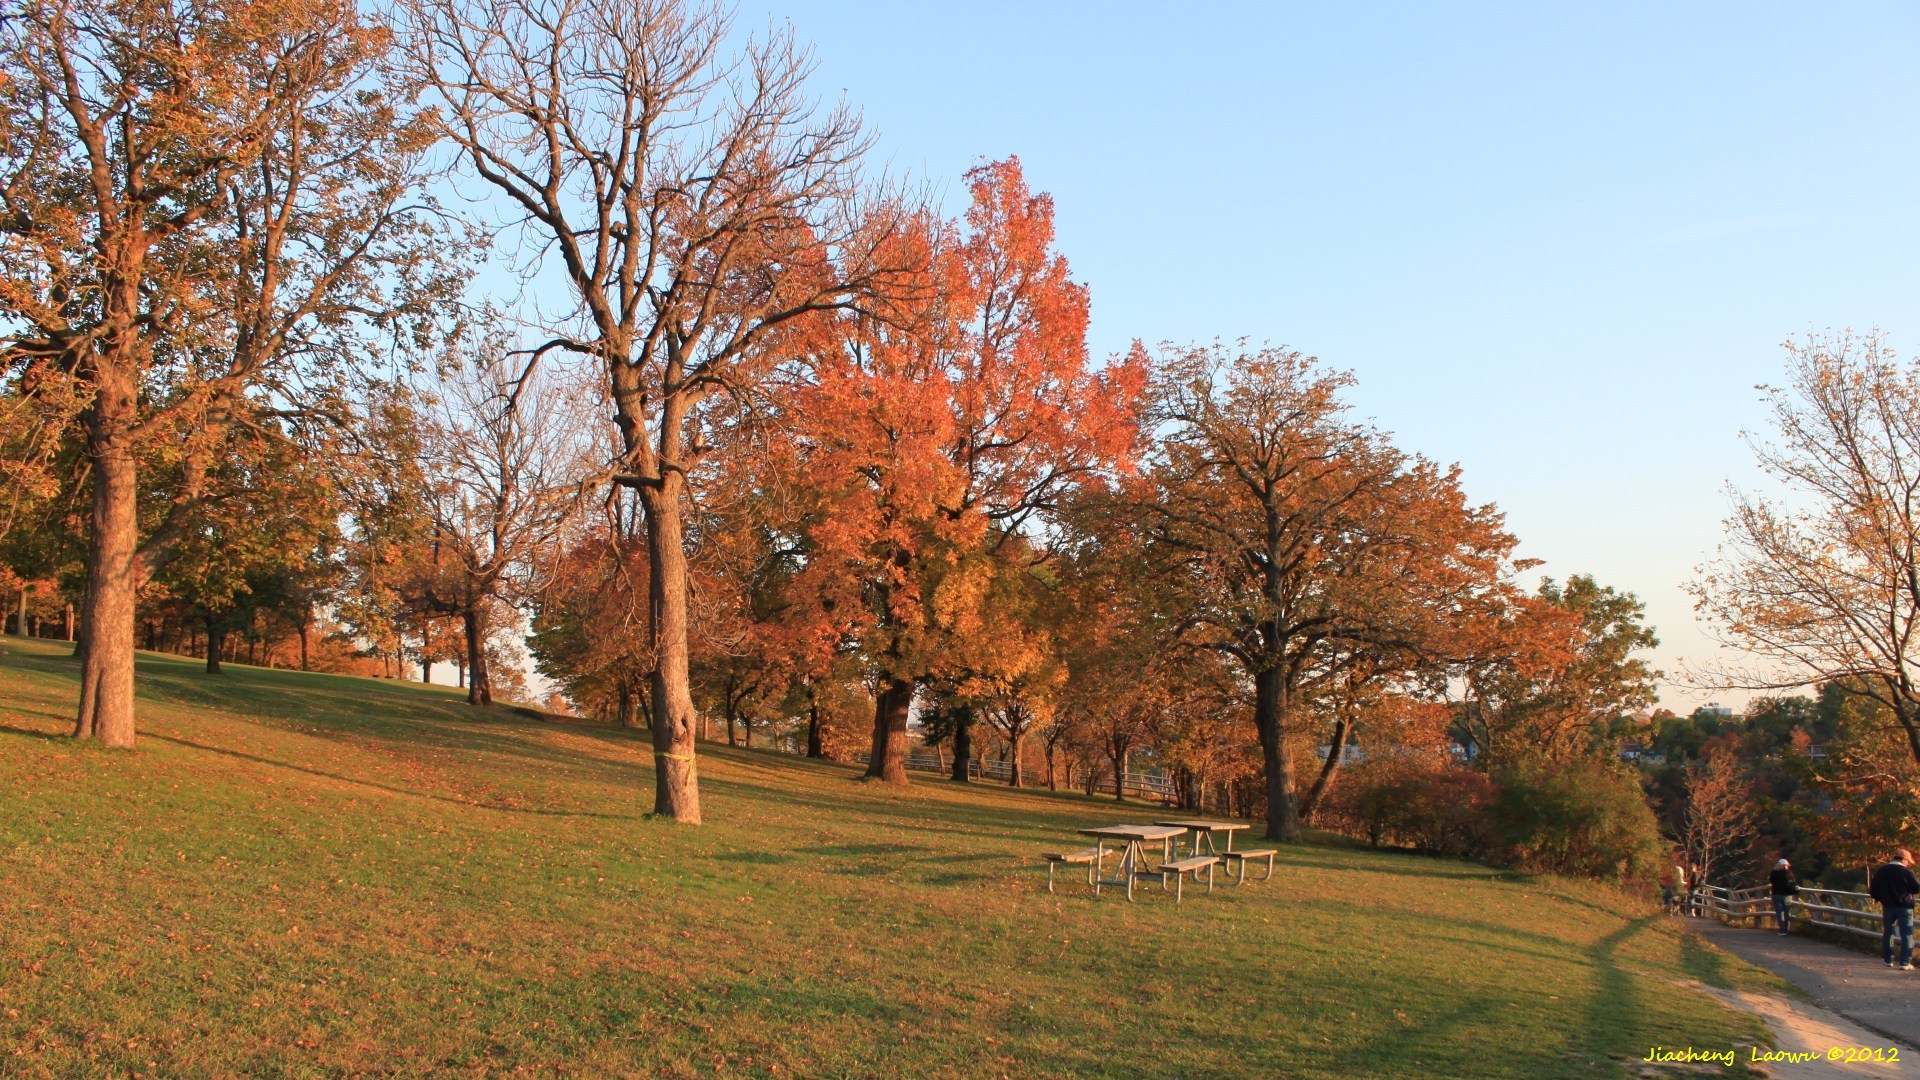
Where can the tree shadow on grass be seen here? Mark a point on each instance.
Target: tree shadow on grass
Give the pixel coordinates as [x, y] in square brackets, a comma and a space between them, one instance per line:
[309, 771]
[44, 736]
[851, 807]
[862, 870]
[1529, 943]
[985, 856]
[1294, 856]
[1709, 965]
[1615, 1003]
[863, 849]
[955, 877]
[1437, 1045]
[394, 718]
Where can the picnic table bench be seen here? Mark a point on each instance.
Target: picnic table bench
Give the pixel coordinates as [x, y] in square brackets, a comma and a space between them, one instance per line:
[1089, 856]
[1240, 859]
[1178, 869]
[1133, 856]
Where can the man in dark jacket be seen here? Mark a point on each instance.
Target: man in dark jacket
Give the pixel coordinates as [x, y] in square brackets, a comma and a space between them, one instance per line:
[1782, 885]
[1895, 886]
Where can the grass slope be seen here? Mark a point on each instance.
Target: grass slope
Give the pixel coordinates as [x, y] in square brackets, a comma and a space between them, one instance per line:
[299, 875]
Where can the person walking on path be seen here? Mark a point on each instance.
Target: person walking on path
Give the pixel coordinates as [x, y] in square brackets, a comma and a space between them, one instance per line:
[1781, 884]
[1894, 886]
[1676, 892]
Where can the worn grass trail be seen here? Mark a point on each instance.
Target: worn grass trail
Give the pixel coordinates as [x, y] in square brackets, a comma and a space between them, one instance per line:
[302, 875]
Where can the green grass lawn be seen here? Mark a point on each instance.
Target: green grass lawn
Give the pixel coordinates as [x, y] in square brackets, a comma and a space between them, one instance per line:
[304, 875]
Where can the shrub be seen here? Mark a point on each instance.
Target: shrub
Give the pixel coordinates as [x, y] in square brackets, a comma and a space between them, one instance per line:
[1431, 806]
[1587, 818]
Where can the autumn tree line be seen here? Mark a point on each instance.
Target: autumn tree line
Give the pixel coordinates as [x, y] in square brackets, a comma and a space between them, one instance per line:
[587, 339]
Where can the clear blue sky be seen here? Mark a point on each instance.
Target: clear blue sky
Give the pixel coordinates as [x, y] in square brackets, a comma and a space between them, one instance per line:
[1558, 245]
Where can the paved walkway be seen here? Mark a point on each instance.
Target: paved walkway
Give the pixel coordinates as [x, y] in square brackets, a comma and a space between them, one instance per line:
[1854, 984]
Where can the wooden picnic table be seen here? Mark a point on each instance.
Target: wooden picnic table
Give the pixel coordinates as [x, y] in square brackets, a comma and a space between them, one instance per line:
[1204, 830]
[1133, 859]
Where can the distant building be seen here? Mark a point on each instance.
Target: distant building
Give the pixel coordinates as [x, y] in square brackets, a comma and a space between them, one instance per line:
[1350, 754]
[1715, 711]
[1640, 753]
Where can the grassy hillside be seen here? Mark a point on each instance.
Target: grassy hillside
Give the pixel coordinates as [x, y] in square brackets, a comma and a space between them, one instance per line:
[300, 875]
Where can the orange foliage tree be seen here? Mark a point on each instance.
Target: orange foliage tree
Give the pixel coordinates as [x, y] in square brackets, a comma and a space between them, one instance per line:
[1301, 543]
[1551, 675]
[590, 635]
[929, 440]
[202, 204]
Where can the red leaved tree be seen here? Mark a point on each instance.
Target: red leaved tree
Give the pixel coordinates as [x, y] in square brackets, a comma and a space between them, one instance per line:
[933, 433]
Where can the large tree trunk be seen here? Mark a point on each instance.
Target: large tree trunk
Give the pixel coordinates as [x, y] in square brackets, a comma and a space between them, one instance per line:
[963, 749]
[676, 790]
[1336, 749]
[814, 748]
[479, 687]
[69, 622]
[20, 612]
[733, 733]
[1016, 740]
[888, 758]
[216, 644]
[1271, 706]
[106, 624]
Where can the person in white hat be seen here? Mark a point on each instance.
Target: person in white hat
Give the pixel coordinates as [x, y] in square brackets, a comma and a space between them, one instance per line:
[1782, 885]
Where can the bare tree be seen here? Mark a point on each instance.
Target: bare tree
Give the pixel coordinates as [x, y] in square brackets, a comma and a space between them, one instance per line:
[1824, 583]
[1013, 718]
[505, 459]
[694, 201]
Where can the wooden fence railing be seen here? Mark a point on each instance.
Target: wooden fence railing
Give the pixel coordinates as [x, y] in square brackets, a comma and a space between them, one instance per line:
[1833, 909]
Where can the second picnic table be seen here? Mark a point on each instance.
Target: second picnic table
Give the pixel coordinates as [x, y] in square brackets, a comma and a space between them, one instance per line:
[1234, 861]
[1203, 831]
[1133, 858]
